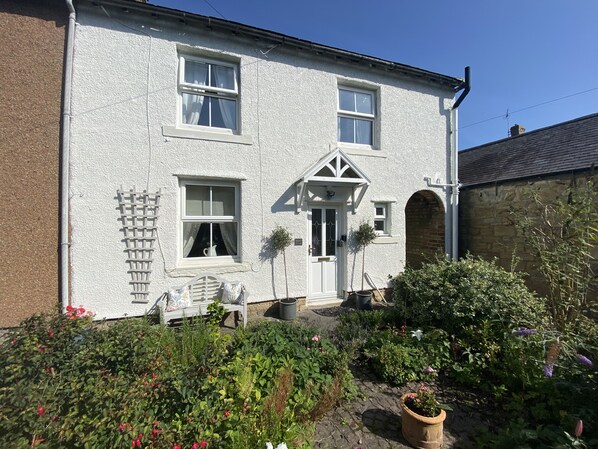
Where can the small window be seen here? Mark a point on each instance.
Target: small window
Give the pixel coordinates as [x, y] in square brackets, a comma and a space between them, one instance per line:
[209, 92]
[210, 220]
[381, 219]
[356, 115]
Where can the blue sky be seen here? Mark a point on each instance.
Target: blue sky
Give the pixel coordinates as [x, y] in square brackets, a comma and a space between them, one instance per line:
[522, 53]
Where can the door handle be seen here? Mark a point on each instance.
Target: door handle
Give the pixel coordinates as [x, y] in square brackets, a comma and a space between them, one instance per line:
[309, 250]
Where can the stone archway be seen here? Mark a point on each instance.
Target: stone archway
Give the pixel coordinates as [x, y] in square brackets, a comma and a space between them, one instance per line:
[424, 228]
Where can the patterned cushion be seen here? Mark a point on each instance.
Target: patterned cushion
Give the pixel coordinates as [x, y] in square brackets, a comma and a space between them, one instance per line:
[178, 299]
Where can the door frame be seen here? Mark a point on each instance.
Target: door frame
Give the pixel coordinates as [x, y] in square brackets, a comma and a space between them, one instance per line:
[341, 254]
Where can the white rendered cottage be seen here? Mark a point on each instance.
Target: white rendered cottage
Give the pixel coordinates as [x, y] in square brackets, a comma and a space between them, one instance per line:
[190, 138]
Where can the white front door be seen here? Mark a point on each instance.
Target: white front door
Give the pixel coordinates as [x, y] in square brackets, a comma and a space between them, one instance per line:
[324, 233]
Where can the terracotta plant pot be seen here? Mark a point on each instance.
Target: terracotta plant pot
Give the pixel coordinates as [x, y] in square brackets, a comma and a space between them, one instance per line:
[420, 431]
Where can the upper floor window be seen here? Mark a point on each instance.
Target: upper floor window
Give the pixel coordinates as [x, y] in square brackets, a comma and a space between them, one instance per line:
[356, 115]
[209, 92]
[210, 219]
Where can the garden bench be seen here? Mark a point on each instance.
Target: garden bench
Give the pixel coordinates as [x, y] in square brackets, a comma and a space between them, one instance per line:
[203, 290]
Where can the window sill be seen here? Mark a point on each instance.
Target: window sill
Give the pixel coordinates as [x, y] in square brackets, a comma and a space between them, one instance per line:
[198, 134]
[196, 268]
[361, 150]
[386, 240]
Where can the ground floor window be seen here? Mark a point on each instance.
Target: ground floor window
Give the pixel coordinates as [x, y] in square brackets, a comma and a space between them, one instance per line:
[381, 219]
[210, 219]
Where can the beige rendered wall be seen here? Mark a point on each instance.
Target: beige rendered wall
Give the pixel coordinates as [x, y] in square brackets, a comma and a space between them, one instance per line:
[32, 36]
[486, 227]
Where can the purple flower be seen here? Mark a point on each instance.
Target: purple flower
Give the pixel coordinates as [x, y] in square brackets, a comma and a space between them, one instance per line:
[583, 359]
[548, 369]
[524, 332]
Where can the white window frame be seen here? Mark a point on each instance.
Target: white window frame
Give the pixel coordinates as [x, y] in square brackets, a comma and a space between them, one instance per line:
[384, 217]
[184, 218]
[208, 91]
[357, 115]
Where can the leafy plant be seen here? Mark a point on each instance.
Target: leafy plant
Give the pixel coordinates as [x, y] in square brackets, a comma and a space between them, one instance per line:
[68, 383]
[424, 402]
[363, 236]
[402, 358]
[562, 234]
[456, 295]
[280, 240]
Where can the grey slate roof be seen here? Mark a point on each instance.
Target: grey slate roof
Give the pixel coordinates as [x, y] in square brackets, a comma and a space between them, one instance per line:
[564, 147]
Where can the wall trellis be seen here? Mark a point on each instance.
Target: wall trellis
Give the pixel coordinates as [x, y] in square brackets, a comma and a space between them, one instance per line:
[139, 214]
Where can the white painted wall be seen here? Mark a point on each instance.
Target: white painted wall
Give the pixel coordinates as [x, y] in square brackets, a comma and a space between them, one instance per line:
[288, 108]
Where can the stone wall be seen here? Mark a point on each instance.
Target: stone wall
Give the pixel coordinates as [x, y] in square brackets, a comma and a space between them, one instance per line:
[32, 34]
[486, 226]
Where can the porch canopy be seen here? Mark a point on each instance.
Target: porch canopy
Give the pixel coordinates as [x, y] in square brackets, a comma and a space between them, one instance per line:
[334, 170]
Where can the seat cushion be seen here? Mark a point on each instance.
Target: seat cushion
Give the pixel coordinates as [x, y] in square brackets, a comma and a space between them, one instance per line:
[178, 299]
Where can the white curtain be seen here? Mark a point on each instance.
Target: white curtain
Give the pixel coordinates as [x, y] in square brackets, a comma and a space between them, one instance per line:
[190, 231]
[195, 73]
[192, 105]
[229, 235]
[224, 77]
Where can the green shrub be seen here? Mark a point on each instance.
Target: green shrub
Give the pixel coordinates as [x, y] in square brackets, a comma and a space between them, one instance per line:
[313, 359]
[455, 295]
[68, 383]
[355, 327]
[399, 358]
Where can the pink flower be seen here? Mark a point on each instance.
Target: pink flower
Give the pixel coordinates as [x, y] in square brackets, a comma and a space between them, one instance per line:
[430, 370]
[315, 338]
[195, 446]
[203, 444]
[50, 333]
[176, 446]
[227, 414]
[579, 428]
[40, 410]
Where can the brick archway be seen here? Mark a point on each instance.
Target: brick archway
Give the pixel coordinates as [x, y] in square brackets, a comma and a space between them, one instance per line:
[424, 226]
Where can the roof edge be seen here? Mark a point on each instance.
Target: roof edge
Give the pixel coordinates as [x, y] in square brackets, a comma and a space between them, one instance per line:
[524, 178]
[527, 133]
[237, 28]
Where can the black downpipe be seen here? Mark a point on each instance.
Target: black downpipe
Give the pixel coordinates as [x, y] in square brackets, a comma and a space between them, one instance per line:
[466, 86]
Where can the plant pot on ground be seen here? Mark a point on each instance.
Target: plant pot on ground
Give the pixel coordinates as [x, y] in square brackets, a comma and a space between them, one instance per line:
[287, 308]
[422, 419]
[363, 236]
[280, 240]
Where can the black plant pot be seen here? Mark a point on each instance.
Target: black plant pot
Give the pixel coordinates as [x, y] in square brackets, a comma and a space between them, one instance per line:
[287, 308]
[363, 300]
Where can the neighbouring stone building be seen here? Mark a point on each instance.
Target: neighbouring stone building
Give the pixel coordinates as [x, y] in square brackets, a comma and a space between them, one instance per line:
[497, 175]
[32, 38]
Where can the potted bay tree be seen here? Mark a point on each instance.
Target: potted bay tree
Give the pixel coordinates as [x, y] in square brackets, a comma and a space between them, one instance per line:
[280, 240]
[363, 236]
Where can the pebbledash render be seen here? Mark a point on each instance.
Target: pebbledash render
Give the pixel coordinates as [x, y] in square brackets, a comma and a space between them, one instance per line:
[233, 130]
